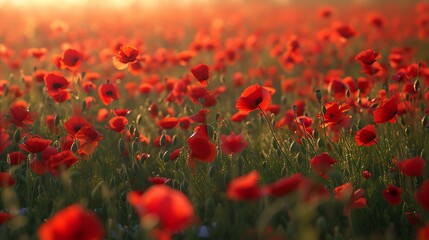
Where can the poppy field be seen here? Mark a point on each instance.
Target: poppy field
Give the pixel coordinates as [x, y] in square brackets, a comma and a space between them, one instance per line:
[215, 120]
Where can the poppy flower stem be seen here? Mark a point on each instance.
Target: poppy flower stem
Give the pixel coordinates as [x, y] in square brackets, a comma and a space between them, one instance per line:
[217, 107]
[351, 225]
[273, 132]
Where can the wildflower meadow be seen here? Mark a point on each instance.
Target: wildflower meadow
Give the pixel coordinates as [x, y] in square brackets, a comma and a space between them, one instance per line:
[214, 120]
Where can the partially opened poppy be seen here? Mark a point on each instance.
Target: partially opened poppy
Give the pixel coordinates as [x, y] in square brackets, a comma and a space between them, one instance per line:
[412, 167]
[171, 208]
[244, 187]
[254, 97]
[201, 72]
[322, 164]
[108, 92]
[386, 111]
[200, 146]
[392, 194]
[72, 223]
[366, 136]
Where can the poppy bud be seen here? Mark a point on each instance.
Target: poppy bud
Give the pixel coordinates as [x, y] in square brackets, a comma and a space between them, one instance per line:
[57, 120]
[424, 121]
[134, 145]
[162, 140]
[408, 131]
[166, 156]
[316, 134]
[121, 146]
[5, 90]
[318, 95]
[17, 135]
[82, 75]
[132, 129]
[139, 119]
[74, 147]
[416, 85]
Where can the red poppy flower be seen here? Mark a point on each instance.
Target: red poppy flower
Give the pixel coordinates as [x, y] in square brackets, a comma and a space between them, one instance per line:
[21, 117]
[38, 167]
[386, 111]
[201, 72]
[285, 186]
[322, 164]
[352, 200]
[158, 180]
[121, 112]
[335, 114]
[168, 122]
[118, 123]
[16, 158]
[392, 194]
[200, 117]
[72, 223]
[108, 92]
[102, 115]
[55, 81]
[37, 52]
[35, 144]
[4, 217]
[367, 57]
[88, 138]
[366, 136]
[233, 143]
[366, 174]
[254, 97]
[244, 187]
[127, 54]
[201, 148]
[74, 124]
[170, 207]
[422, 195]
[344, 31]
[6, 180]
[61, 161]
[412, 167]
[71, 59]
[413, 218]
